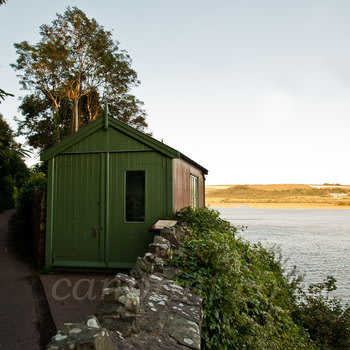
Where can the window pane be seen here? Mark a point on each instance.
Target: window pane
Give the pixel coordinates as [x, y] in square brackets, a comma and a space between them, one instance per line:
[194, 191]
[135, 196]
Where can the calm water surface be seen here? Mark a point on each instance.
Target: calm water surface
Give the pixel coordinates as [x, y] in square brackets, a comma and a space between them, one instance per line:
[316, 240]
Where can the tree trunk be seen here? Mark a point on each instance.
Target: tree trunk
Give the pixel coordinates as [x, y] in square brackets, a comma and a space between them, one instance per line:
[55, 116]
[75, 115]
[58, 134]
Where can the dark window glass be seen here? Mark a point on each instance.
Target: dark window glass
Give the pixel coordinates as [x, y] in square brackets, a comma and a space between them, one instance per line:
[135, 196]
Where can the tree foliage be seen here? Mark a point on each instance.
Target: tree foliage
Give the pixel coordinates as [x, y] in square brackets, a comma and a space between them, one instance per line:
[70, 72]
[13, 171]
[4, 94]
[36, 181]
[326, 320]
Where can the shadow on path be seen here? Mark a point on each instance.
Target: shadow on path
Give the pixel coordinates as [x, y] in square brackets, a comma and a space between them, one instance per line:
[25, 319]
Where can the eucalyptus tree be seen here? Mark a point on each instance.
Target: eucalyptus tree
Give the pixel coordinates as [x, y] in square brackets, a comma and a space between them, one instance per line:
[74, 67]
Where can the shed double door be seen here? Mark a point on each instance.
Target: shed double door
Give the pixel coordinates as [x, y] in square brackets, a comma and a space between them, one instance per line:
[103, 207]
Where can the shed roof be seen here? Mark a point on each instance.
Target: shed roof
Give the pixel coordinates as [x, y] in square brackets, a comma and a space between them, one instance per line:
[124, 128]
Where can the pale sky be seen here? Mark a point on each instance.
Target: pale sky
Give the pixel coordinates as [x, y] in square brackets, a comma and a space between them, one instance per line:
[255, 91]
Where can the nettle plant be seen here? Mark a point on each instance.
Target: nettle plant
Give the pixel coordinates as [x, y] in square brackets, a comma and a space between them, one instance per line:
[248, 302]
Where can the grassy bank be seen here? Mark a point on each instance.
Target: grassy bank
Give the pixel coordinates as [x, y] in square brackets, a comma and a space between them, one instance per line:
[283, 196]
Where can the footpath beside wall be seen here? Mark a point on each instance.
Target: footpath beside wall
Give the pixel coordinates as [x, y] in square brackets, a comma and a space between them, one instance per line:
[143, 310]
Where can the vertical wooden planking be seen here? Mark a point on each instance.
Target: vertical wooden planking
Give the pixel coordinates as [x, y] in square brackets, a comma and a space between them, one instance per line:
[77, 211]
[169, 200]
[107, 207]
[182, 171]
[130, 239]
[49, 213]
[87, 190]
[102, 207]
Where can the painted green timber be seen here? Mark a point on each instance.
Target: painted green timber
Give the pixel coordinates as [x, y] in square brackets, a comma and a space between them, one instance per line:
[107, 206]
[130, 239]
[148, 140]
[103, 196]
[72, 140]
[77, 233]
[86, 224]
[49, 210]
[124, 129]
[105, 141]
[169, 187]
[77, 263]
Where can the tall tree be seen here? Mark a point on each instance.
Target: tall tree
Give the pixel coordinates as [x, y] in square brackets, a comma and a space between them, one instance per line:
[73, 68]
[13, 171]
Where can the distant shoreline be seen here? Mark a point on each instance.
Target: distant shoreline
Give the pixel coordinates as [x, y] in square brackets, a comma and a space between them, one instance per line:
[279, 196]
[277, 205]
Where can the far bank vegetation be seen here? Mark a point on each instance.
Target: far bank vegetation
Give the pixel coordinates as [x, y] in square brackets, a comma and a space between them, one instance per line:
[283, 193]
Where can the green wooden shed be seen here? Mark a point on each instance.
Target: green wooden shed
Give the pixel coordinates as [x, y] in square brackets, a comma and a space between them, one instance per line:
[107, 184]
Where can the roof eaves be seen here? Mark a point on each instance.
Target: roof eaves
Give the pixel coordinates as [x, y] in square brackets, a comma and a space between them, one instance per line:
[195, 164]
[148, 140]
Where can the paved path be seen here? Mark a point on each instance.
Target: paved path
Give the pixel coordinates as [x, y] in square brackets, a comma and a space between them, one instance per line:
[71, 296]
[22, 302]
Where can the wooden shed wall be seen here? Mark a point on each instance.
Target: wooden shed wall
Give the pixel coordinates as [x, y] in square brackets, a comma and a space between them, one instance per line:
[181, 180]
[87, 184]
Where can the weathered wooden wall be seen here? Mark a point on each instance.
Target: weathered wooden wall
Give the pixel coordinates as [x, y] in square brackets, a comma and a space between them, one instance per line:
[181, 182]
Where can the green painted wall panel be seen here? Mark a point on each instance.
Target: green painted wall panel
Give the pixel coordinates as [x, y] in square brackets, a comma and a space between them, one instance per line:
[129, 240]
[87, 189]
[76, 211]
[107, 140]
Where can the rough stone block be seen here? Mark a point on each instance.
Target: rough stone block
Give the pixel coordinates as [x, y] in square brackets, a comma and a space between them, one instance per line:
[184, 331]
[144, 265]
[126, 326]
[108, 296]
[84, 335]
[159, 249]
[109, 309]
[151, 258]
[191, 312]
[129, 298]
[172, 235]
[159, 266]
[124, 280]
[161, 240]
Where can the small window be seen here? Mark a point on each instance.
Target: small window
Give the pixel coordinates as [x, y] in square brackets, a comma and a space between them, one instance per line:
[194, 191]
[135, 196]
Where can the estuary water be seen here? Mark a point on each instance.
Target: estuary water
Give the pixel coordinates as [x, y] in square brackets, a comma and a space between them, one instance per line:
[317, 241]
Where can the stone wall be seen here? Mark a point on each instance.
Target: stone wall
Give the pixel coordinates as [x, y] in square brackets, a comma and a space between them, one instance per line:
[143, 310]
[39, 226]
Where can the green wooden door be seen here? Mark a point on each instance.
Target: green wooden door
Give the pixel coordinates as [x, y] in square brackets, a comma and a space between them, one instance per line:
[137, 197]
[78, 219]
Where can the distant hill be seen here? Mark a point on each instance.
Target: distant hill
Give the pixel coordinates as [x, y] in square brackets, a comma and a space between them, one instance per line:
[308, 195]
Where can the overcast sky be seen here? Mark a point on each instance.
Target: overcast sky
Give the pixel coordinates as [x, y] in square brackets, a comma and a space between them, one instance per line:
[255, 91]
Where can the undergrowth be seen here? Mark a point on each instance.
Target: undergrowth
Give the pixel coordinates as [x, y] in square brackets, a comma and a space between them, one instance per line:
[248, 302]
